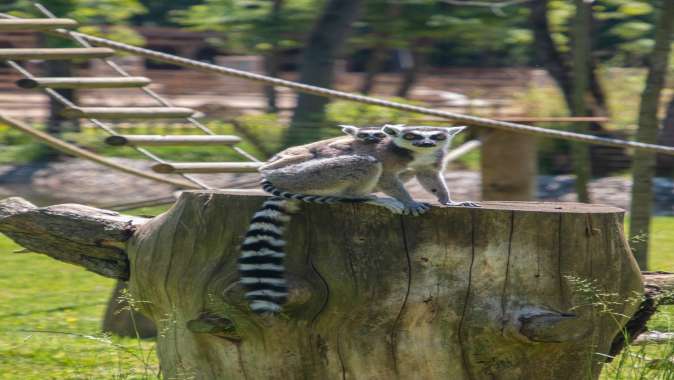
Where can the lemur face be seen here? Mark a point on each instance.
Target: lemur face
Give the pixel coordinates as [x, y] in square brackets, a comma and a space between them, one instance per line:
[369, 135]
[419, 138]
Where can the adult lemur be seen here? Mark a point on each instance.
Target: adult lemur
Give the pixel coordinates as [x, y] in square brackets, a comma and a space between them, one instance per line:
[340, 170]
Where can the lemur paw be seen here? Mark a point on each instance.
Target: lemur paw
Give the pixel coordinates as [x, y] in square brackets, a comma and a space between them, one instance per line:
[390, 204]
[416, 208]
[462, 204]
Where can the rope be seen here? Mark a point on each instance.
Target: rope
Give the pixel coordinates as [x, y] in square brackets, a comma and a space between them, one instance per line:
[451, 116]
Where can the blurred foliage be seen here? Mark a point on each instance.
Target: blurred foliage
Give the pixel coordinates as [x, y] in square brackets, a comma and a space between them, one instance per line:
[93, 15]
[250, 26]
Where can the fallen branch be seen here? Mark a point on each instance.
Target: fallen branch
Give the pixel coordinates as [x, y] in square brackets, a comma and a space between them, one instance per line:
[89, 237]
[654, 337]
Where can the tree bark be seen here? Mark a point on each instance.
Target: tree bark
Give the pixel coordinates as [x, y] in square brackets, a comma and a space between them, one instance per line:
[665, 163]
[508, 166]
[546, 51]
[271, 59]
[643, 166]
[409, 73]
[504, 291]
[325, 42]
[581, 67]
[122, 319]
[56, 123]
[374, 63]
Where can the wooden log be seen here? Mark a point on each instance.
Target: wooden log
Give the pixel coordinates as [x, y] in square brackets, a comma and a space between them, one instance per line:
[661, 284]
[83, 83]
[9, 25]
[507, 291]
[55, 53]
[654, 337]
[164, 140]
[92, 238]
[508, 166]
[207, 167]
[115, 113]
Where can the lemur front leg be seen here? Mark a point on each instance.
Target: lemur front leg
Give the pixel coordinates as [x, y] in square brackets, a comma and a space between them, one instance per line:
[434, 182]
[390, 184]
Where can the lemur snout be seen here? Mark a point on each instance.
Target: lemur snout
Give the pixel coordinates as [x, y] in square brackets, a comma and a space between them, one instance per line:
[424, 144]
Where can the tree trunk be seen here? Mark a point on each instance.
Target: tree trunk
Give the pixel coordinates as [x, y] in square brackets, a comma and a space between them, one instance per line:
[122, 319]
[374, 63]
[508, 166]
[56, 123]
[271, 59]
[380, 49]
[505, 291]
[546, 51]
[582, 65]
[410, 70]
[325, 41]
[643, 166]
[665, 163]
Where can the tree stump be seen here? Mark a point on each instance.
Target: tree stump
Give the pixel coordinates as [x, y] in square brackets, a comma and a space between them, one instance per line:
[511, 290]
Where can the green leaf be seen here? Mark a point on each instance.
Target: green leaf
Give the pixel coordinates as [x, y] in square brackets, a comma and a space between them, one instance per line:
[635, 8]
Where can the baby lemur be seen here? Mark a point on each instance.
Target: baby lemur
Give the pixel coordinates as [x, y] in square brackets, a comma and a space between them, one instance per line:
[343, 169]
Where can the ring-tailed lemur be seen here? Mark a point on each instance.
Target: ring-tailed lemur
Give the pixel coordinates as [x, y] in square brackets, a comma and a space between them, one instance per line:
[342, 169]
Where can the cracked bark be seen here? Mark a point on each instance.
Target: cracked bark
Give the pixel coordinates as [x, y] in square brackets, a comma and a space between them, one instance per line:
[468, 294]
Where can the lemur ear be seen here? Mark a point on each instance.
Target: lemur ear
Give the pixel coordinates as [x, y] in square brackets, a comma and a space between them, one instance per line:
[454, 130]
[392, 129]
[349, 129]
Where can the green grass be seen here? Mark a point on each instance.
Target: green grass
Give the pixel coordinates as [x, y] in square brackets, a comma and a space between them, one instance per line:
[50, 317]
[50, 320]
[662, 241]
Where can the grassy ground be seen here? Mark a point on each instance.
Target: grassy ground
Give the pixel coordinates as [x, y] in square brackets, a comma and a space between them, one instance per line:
[50, 321]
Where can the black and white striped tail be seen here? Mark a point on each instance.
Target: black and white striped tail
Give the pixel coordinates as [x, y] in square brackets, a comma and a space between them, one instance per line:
[261, 262]
[324, 199]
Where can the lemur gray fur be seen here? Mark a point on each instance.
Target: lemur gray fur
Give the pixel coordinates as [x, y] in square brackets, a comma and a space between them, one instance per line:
[345, 169]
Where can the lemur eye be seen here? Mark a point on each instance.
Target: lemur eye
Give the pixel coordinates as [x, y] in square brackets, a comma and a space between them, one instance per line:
[380, 135]
[439, 137]
[411, 136]
[362, 135]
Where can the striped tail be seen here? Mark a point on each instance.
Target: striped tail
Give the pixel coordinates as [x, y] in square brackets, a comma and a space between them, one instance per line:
[261, 261]
[323, 199]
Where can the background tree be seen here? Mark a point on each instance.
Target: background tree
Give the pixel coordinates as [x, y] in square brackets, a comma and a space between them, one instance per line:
[328, 36]
[643, 167]
[263, 27]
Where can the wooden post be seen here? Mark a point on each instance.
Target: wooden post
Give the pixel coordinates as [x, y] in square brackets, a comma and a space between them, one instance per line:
[504, 291]
[508, 166]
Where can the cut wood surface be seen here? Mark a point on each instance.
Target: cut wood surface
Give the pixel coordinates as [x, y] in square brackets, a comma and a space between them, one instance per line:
[500, 292]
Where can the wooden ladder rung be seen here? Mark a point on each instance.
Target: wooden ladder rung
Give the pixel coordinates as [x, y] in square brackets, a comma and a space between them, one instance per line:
[9, 25]
[127, 112]
[67, 82]
[57, 53]
[208, 167]
[159, 140]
